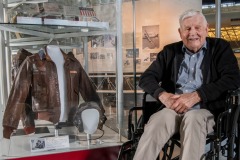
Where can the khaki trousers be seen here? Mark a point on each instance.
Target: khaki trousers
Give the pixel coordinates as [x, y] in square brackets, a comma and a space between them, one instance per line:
[193, 127]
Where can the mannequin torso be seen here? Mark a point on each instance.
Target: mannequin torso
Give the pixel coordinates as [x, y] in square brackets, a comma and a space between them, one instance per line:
[56, 55]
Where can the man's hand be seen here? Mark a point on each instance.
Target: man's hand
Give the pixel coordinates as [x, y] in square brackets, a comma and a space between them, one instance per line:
[168, 99]
[185, 102]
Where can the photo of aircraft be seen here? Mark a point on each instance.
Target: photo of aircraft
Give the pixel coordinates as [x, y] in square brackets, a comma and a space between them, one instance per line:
[150, 37]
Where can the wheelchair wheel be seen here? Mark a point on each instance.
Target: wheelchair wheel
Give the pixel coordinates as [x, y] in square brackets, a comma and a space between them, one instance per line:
[234, 150]
[234, 139]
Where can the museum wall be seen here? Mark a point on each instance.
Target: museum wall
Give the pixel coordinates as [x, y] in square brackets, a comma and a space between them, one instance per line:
[159, 18]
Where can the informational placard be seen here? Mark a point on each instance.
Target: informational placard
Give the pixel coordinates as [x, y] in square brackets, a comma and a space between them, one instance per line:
[49, 143]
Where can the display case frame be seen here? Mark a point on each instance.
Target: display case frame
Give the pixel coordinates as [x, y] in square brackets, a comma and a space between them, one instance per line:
[45, 34]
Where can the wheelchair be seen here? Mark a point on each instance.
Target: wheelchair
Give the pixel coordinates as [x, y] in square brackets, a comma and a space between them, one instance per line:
[224, 140]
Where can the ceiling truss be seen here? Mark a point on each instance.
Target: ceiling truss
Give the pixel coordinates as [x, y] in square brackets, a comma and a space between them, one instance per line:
[231, 34]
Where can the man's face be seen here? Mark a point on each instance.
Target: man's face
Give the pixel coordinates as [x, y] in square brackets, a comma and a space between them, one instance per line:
[193, 32]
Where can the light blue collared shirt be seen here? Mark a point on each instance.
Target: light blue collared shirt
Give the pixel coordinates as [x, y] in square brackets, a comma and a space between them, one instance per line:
[190, 74]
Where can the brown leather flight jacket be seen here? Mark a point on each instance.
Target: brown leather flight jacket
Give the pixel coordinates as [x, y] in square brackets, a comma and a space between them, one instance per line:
[38, 75]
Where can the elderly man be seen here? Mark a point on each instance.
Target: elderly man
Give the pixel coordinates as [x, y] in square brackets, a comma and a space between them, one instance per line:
[191, 79]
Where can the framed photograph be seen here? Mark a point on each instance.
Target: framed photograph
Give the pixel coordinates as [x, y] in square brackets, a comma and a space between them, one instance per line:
[38, 144]
[94, 55]
[138, 61]
[150, 37]
[52, 8]
[130, 53]
[153, 56]
[97, 41]
[109, 41]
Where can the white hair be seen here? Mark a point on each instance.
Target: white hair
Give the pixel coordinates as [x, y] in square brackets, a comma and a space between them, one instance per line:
[191, 13]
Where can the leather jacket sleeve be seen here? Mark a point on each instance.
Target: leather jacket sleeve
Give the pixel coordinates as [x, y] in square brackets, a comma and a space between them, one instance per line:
[28, 115]
[16, 101]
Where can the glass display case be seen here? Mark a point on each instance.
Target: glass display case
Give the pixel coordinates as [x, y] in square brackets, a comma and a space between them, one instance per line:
[90, 32]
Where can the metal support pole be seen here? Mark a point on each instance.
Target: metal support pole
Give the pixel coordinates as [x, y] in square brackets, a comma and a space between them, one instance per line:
[134, 61]
[3, 81]
[85, 53]
[89, 139]
[218, 19]
[1, 71]
[119, 68]
[3, 64]
[134, 51]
